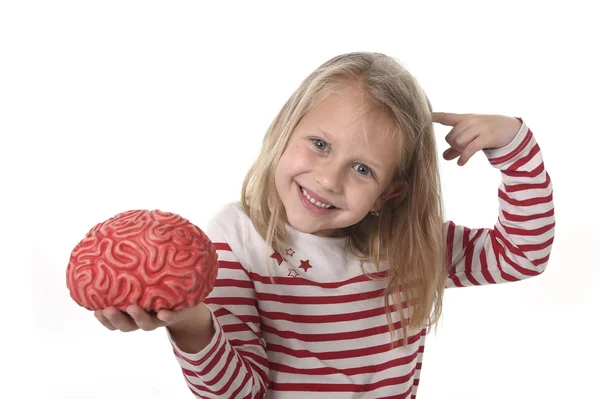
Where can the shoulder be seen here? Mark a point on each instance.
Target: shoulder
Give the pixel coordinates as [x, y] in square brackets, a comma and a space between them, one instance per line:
[230, 212]
[228, 221]
[232, 231]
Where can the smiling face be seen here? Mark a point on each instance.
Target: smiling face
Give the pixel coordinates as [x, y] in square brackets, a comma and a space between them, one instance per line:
[338, 165]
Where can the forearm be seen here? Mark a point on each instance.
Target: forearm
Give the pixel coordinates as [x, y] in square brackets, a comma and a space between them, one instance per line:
[220, 349]
[519, 245]
[211, 363]
[193, 335]
[525, 226]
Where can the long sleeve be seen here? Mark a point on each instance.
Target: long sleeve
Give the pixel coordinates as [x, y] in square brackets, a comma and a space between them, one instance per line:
[519, 245]
[234, 364]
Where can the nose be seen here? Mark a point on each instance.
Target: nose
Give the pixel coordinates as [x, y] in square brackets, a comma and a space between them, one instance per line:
[330, 177]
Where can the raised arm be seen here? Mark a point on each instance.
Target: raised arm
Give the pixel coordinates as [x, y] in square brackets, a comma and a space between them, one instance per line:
[519, 244]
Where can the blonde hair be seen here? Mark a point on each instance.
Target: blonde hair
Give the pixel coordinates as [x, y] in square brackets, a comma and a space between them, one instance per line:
[408, 233]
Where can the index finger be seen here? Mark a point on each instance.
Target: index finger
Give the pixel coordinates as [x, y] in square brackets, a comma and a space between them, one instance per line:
[447, 118]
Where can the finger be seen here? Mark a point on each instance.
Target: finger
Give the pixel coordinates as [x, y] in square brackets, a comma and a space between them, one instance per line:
[450, 154]
[171, 317]
[104, 321]
[447, 118]
[461, 135]
[143, 319]
[166, 316]
[470, 150]
[120, 320]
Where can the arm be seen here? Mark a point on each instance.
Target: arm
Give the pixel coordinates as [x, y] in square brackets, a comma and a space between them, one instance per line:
[519, 245]
[233, 363]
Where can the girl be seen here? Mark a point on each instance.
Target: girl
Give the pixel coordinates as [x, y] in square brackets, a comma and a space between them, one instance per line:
[334, 263]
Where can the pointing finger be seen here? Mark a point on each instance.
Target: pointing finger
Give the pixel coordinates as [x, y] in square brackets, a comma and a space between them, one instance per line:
[447, 118]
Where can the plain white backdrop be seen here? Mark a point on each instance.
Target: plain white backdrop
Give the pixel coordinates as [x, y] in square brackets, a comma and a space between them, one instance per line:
[117, 105]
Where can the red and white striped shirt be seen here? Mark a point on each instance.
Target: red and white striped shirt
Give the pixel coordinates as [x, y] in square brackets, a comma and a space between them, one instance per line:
[321, 328]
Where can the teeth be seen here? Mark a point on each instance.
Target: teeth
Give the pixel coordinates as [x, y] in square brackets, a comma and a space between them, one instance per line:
[315, 202]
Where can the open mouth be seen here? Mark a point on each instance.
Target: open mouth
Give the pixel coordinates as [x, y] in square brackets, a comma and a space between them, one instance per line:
[313, 202]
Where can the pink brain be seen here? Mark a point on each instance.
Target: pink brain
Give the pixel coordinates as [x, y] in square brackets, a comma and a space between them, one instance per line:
[154, 259]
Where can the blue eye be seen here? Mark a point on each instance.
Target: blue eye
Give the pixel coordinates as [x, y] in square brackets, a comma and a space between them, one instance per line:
[320, 144]
[363, 169]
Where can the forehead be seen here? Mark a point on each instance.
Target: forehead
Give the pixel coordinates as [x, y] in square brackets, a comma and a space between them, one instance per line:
[351, 120]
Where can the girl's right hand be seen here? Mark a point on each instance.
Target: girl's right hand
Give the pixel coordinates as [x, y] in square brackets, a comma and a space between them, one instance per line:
[135, 318]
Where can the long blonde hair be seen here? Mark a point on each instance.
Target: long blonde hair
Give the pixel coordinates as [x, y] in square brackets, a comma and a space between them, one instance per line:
[408, 233]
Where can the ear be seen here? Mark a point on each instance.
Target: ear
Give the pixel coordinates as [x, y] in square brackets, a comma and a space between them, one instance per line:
[395, 189]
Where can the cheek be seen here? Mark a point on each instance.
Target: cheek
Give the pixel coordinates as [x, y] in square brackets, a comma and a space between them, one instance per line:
[361, 195]
[282, 169]
[288, 164]
[299, 158]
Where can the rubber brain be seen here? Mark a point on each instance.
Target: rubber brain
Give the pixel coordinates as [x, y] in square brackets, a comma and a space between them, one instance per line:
[157, 260]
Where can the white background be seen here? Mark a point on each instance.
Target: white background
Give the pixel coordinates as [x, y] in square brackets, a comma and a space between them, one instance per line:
[117, 105]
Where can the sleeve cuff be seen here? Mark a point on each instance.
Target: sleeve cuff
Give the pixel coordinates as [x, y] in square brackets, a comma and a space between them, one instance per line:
[512, 149]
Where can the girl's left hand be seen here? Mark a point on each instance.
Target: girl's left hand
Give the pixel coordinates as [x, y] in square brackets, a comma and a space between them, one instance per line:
[471, 133]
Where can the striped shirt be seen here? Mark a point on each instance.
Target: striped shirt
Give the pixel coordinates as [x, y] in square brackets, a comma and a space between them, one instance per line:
[320, 329]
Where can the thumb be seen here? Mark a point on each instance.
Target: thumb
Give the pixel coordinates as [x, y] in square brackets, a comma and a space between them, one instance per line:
[167, 316]
[172, 317]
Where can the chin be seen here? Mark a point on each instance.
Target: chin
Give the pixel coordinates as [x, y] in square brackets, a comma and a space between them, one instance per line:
[301, 225]
[310, 228]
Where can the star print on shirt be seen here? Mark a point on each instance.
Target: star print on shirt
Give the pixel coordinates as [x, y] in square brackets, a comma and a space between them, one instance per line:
[277, 257]
[293, 273]
[304, 264]
[290, 252]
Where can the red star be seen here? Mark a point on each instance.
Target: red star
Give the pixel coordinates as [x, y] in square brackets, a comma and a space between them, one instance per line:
[305, 265]
[289, 252]
[293, 273]
[277, 257]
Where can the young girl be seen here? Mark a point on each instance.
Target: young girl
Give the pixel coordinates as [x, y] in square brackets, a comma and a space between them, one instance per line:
[333, 265]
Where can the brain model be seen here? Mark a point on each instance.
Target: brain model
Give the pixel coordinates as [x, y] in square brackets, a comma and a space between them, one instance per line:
[153, 259]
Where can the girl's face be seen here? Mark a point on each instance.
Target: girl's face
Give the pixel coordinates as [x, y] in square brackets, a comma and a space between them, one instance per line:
[338, 165]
